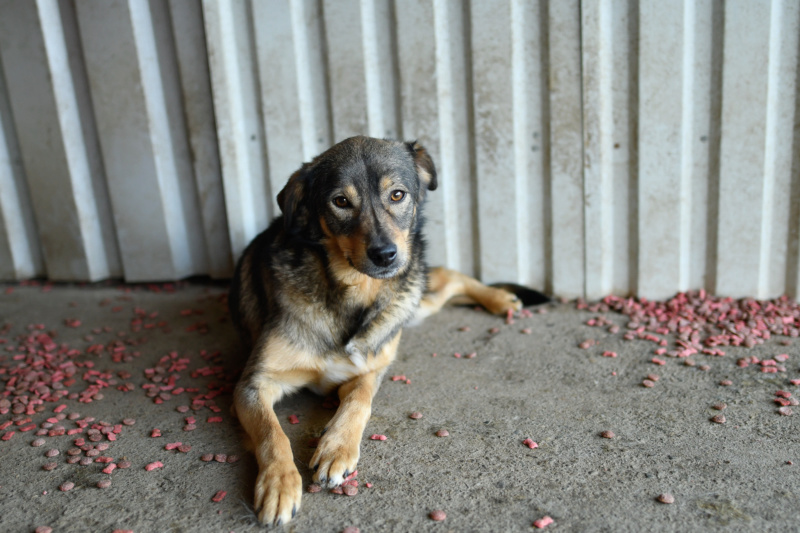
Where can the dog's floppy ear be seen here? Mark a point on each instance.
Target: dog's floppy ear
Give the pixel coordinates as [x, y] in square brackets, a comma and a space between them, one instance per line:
[425, 168]
[293, 194]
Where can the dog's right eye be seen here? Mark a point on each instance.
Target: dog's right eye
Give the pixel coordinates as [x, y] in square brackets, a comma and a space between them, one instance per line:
[341, 201]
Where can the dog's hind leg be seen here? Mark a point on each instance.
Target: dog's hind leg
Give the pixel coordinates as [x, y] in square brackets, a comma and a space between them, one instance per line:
[338, 450]
[445, 285]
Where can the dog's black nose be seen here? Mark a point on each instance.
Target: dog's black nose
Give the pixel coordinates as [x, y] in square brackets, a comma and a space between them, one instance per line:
[382, 256]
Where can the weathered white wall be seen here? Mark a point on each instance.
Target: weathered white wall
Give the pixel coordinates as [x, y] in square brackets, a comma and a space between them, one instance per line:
[584, 147]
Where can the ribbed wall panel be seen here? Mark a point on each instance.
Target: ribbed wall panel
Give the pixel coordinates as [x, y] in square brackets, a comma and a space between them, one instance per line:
[583, 147]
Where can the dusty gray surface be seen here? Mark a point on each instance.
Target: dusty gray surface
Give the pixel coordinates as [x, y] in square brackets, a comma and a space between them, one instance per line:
[539, 385]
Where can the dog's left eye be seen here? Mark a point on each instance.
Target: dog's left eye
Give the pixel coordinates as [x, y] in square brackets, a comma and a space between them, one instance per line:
[396, 196]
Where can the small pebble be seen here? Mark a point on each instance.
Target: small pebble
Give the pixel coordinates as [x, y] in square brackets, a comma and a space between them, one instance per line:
[437, 515]
[666, 498]
[103, 483]
[442, 433]
[607, 434]
[66, 486]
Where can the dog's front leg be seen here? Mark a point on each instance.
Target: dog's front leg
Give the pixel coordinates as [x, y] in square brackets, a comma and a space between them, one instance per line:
[279, 486]
[338, 450]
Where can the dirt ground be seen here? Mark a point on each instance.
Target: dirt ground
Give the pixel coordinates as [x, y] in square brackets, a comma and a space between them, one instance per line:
[143, 354]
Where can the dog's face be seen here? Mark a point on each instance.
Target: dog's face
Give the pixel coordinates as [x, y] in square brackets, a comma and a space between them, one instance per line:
[364, 194]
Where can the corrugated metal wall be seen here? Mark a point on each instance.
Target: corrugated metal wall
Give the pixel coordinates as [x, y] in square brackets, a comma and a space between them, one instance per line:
[584, 147]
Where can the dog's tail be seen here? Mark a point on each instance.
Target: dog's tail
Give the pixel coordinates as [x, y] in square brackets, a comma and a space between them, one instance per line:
[527, 295]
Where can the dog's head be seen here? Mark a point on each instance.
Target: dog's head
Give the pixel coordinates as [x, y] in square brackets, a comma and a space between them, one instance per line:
[364, 195]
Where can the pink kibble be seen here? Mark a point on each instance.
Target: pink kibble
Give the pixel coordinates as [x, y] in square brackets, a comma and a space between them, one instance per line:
[542, 522]
[718, 419]
[38, 442]
[152, 466]
[103, 483]
[442, 433]
[128, 421]
[124, 464]
[368, 485]
[172, 445]
[337, 490]
[657, 361]
[719, 406]
[785, 411]
[377, 437]
[184, 448]
[609, 354]
[293, 419]
[155, 433]
[349, 490]
[219, 496]
[783, 394]
[648, 383]
[607, 434]
[189, 427]
[530, 443]
[52, 453]
[109, 468]
[313, 488]
[704, 368]
[438, 515]
[220, 457]
[588, 343]
[794, 381]
[207, 457]
[726, 383]
[351, 529]
[49, 466]
[43, 529]
[653, 377]
[666, 498]
[66, 486]
[232, 459]
[416, 415]
[214, 419]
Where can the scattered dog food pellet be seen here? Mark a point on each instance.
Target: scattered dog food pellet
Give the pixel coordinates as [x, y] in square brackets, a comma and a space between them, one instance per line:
[416, 415]
[442, 433]
[313, 488]
[152, 466]
[609, 354]
[207, 457]
[530, 443]
[648, 383]
[52, 453]
[220, 457]
[607, 434]
[219, 496]
[785, 411]
[542, 522]
[719, 406]
[337, 490]
[103, 483]
[349, 490]
[185, 448]
[437, 515]
[155, 433]
[124, 464]
[43, 529]
[726, 383]
[718, 419]
[293, 419]
[666, 498]
[128, 421]
[49, 466]
[38, 442]
[351, 529]
[377, 437]
[588, 343]
[66, 486]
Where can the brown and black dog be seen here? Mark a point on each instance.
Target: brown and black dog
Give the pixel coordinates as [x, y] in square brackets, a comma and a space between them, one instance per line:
[320, 298]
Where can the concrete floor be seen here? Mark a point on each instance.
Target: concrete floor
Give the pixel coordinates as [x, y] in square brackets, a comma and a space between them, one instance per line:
[538, 385]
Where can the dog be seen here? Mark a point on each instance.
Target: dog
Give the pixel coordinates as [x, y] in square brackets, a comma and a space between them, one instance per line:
[320, 298]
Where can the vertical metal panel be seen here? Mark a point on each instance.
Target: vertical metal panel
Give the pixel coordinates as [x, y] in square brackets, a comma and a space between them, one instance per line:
[239, 131]
[20, 256]
[59, 167]
[192, 57]
[566, 149]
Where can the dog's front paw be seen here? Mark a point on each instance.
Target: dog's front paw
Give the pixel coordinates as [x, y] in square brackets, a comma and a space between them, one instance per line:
[357, 352]
[335, 459]
[278, 492]
[499, 301]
